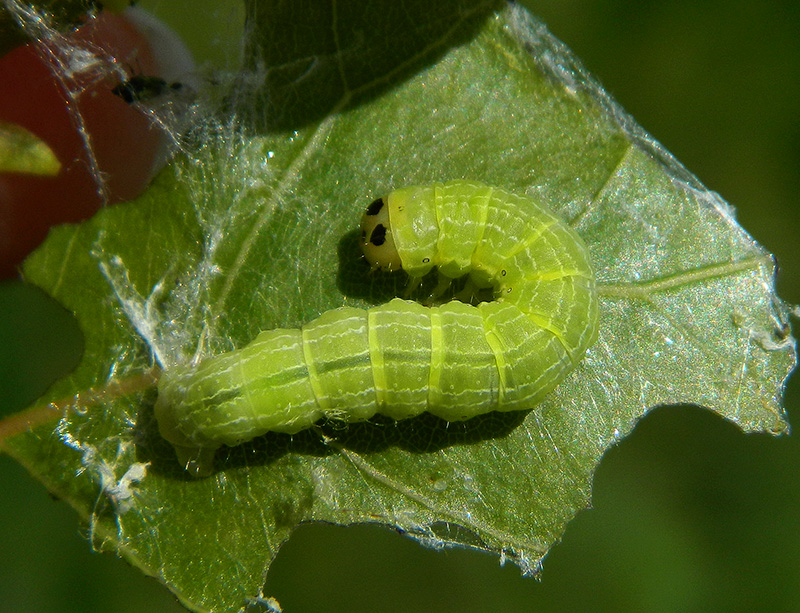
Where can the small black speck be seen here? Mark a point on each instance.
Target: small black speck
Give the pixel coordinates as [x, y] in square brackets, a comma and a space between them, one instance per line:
[140, 88]
[375, 207]
[378, 236]
[503, 273]
[425, 260]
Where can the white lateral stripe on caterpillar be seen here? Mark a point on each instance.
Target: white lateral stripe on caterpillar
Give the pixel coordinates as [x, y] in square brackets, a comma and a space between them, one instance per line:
[400, 359]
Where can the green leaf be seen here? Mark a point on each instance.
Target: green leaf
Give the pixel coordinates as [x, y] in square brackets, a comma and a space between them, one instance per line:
[253, 227]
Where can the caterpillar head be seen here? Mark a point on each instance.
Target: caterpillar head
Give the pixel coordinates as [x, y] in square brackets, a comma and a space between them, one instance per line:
[377, 242]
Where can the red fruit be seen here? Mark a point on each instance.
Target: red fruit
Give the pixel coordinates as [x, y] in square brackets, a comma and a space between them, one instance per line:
[108, 148]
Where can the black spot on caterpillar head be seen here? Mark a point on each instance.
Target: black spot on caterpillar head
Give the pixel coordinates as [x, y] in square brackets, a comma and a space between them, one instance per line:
[375, 207]
[376, 237]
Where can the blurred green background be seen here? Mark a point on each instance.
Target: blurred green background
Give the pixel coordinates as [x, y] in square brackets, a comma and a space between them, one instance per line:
[689, 514]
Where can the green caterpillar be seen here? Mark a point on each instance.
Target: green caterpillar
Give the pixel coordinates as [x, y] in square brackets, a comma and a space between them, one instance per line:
[402, 358]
